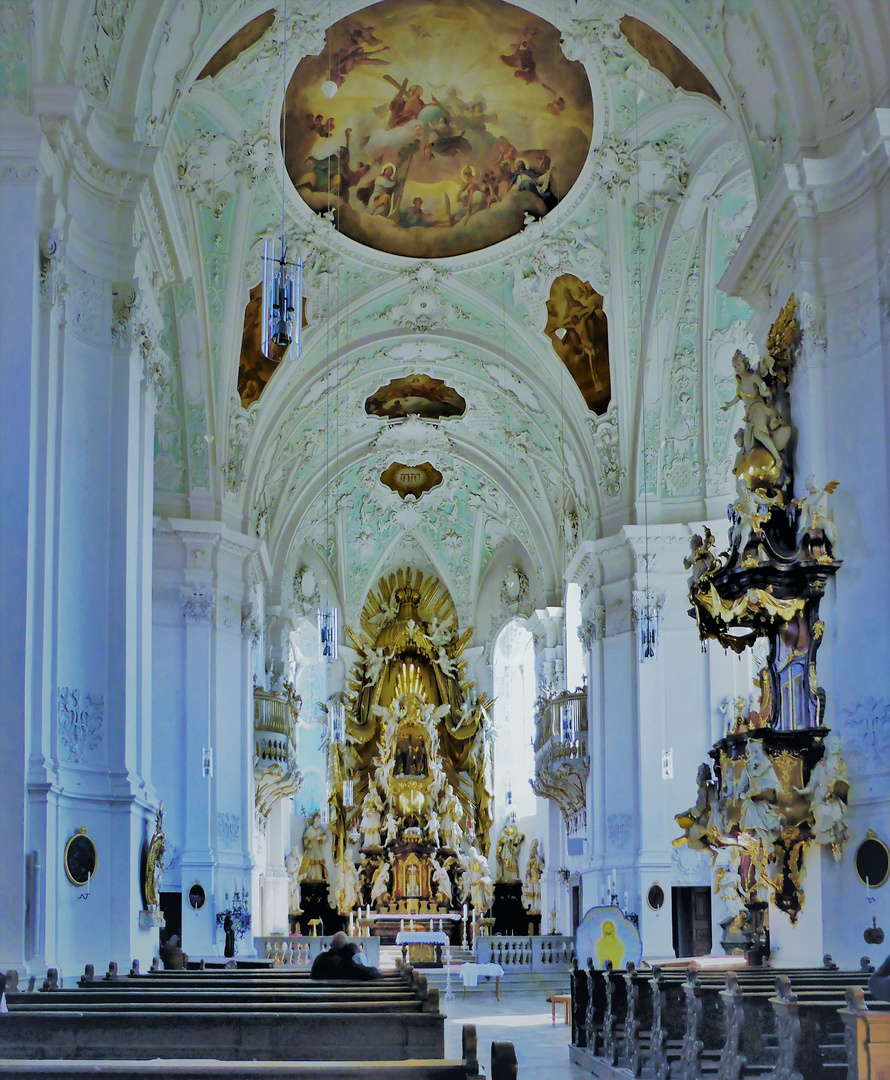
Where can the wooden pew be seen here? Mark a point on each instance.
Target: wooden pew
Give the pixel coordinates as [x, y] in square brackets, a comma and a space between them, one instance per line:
[760, 1025]
[199, 1016]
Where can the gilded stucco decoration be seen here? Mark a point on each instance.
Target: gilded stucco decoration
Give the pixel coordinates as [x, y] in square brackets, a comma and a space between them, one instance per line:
[779, 779]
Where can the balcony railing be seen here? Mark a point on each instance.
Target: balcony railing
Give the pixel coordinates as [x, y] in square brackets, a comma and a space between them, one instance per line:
[562, 765]
[275, 769]
[562, 720]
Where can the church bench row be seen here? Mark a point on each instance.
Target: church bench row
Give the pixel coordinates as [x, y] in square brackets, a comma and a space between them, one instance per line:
[205, 1070]
[334, 1034]
[503, 1067]
[679, 1029]
[75, 1023]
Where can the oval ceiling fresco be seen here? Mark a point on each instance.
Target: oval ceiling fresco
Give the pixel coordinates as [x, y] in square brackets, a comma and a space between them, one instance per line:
[449, 124]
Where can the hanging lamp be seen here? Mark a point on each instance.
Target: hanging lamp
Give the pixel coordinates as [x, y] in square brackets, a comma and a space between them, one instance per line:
[282, 278]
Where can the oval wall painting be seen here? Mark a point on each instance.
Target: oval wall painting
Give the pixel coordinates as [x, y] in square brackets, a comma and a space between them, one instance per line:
[450, 123]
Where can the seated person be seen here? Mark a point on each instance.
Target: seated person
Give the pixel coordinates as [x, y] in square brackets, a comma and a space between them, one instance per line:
[879, 983]
[339, 962]
[172, 957]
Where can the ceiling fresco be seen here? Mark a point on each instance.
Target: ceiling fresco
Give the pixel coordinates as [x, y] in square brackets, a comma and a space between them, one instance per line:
[579, 332]
[500, 372]
[449, 125]
[415, 395]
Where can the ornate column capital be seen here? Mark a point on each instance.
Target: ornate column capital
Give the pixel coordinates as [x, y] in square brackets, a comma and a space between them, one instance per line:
[198, 602]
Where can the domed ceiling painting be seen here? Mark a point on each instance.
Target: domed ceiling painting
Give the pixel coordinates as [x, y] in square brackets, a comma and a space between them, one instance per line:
[449, 124]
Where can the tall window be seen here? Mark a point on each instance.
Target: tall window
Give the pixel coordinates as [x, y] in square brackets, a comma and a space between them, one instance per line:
[514, 690]
[574, 651]
[309, 683]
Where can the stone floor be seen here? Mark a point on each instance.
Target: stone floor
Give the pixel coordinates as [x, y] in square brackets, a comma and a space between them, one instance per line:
[542, 1050]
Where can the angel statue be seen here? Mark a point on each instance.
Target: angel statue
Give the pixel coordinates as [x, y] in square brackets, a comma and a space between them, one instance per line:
[701, 560]
[828, 789]
[814, 513]
[391, 827]
[763, 422]
[380, 882]
[696, 821]
[441, 879]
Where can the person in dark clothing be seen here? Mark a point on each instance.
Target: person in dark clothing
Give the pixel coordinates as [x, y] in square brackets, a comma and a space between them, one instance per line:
[339, 962]
[879, 983]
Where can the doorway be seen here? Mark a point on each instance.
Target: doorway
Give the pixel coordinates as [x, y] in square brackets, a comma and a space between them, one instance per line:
[691, 917]
[171, 909]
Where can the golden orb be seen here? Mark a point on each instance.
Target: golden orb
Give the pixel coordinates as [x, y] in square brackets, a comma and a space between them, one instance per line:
[759, 468]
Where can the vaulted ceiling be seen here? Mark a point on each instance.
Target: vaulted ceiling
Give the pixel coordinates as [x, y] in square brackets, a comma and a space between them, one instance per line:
[693, 112]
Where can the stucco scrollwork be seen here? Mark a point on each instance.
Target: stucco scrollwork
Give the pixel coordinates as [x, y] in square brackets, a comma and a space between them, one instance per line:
[197, 603]
[103, 39]
[80, 717]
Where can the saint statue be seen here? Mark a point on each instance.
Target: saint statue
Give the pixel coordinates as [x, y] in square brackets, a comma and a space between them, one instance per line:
[314, 836]
[476, 880]
[348, 893]
[507, 852]
[370, 821]
[531, 894]
[292, 863]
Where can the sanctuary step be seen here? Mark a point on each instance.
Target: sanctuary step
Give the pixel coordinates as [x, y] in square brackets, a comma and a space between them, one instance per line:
[185, 1069]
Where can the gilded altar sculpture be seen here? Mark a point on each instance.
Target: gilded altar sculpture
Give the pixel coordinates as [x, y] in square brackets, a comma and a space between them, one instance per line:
[779, 781]
[415, 758]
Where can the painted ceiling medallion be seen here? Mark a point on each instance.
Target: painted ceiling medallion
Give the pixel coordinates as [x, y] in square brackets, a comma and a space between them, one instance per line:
[579, 333]
[450, 124]
[415, 395]
[413, 480]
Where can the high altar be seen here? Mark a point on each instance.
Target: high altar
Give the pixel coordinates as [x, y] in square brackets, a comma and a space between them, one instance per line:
[410, 766]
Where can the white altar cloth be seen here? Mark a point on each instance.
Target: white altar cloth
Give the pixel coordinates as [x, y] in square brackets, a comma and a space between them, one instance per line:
[421, 937]
[470, 973]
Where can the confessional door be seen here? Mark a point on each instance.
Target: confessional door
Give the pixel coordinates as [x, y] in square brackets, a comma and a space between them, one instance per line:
[691, 920]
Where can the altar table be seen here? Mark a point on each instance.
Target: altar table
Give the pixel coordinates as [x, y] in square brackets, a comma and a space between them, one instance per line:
[470, 974]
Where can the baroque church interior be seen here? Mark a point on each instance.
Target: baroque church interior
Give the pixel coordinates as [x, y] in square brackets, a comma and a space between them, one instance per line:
[439, 440]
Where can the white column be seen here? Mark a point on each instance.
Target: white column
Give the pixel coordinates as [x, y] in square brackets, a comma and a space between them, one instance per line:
[198, 858]
[19, 185]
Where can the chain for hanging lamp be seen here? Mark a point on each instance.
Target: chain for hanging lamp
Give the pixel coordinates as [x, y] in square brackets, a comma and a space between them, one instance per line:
[282, 316]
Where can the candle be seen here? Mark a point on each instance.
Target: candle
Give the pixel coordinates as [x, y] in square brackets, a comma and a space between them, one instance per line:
[465, 912]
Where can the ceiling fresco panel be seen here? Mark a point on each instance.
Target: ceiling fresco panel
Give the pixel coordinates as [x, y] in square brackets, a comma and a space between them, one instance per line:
[450, 123]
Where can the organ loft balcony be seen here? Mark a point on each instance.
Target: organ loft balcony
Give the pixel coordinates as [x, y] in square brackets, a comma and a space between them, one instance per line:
[562, 763]
[275, 716]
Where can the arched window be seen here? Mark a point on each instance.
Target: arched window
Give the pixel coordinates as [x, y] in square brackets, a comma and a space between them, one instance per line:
[514, 691]
[309, 684]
